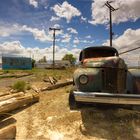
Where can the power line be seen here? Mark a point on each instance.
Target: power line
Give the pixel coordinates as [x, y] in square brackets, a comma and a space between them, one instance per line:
[54, 30]
[111, 9]
[129, 50]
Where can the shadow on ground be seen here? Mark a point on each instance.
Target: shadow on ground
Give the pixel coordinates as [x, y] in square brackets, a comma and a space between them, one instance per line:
[114, 124]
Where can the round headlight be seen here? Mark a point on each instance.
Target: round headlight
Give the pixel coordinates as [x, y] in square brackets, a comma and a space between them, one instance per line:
[83, 79]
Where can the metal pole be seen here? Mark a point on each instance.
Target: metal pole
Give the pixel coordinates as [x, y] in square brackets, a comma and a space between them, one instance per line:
[111, 9]
[139, 62]
[53, 49]
[54, 29]
[110, 14]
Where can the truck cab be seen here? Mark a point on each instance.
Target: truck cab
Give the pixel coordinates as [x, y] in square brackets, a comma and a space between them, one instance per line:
[101, 78]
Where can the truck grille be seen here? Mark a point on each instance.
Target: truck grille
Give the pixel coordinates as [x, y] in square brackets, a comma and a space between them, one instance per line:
[114, 80]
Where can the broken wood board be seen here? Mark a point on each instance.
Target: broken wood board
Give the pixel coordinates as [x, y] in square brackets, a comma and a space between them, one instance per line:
[58, 85]
[7, 121]
[18, 102]
[14, 75]
[46, 80]
[8, 129]
[50, 79]
[8, 132]
[1, 73]
[35, 88]
[6, 97]
[19, 76]
[3, 94]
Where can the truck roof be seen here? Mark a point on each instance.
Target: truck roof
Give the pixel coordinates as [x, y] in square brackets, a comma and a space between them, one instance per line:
[101, 50]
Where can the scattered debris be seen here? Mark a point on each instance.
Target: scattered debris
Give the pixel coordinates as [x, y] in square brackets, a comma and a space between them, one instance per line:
[1, 73]
[8, 132]
[58, 85]
[11, 96]
[15, 75]
[46, 80]
[52, 80]
[3, 94]
[16, 102]
[33, 87]
[23, 75]
[8, 129]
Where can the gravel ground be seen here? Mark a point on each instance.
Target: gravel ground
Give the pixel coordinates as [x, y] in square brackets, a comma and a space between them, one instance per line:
[51, 119]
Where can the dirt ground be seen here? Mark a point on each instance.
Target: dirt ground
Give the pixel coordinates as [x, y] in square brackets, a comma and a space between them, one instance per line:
[51, 119]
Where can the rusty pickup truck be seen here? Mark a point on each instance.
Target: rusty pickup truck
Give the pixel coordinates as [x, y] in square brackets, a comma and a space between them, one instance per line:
[103, 78]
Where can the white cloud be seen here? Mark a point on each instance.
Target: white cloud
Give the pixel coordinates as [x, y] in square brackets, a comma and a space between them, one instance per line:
[128, 10]
[87, 41]
[38, 34]
[74, 46]
[15, 48]
[16, 29]
[72, 30]
[66, 38]
[33, 3]
[11, 47]
[83, 19]
[66, 10]
[54, 18]
[76, 41]
[56, 26]
[7, 30]
[88, 36]
[130, 39]
[75, 52]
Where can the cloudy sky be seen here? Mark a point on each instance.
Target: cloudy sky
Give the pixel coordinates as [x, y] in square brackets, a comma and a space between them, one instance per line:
[24, 27]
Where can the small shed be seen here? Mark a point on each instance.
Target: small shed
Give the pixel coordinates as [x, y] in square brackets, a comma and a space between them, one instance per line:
[16, 63]
[49, 64]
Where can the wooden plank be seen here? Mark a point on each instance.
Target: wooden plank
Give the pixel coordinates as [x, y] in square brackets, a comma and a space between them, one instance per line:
[3, 94]
[23, 75]
[7, 128]
[11, 96]
[46, 80]
[35, 88]
[17, 102]
[8, 132]
[15, 75]
[58, 85]
[51, 80]
[6, 122]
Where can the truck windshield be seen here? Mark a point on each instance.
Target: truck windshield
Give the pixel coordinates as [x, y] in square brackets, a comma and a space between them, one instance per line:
[98, 53]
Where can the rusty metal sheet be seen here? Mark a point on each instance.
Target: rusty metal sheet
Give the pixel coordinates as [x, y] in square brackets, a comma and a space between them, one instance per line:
[135, 73]
[112, 62]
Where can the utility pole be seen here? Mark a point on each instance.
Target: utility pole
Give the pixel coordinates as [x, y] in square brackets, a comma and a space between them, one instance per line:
[54, 30]
[111, 9]
[139, 62]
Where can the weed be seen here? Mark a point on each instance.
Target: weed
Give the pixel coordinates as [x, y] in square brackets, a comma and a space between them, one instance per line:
[19, 86]
[6, 71]
[28, 87]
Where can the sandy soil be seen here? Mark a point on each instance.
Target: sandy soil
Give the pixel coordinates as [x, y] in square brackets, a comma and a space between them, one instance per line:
[51, 119]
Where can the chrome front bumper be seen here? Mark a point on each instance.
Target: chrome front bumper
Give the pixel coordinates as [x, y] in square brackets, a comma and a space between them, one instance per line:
[107, 98]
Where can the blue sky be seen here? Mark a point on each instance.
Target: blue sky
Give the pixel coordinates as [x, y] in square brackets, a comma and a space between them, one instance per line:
[83, 23]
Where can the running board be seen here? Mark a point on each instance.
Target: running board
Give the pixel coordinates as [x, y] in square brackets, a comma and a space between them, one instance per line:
[107, 98]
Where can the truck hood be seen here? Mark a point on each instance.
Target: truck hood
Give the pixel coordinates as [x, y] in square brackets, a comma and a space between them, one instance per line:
[112, 62]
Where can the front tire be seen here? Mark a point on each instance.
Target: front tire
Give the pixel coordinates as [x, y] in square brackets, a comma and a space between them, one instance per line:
[72, 102]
